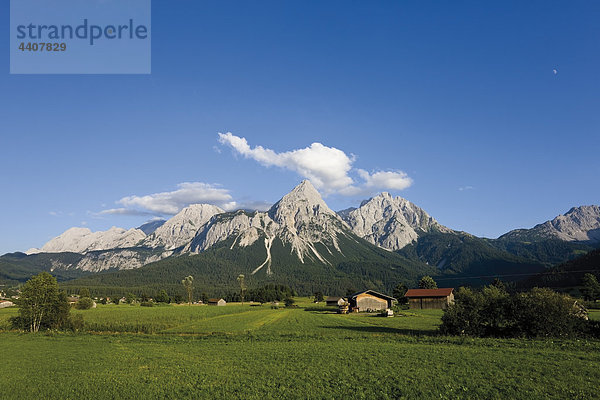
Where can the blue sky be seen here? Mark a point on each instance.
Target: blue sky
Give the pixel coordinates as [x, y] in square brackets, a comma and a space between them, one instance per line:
[459, 99]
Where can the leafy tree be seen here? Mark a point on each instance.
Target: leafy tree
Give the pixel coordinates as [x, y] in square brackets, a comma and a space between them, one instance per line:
[289, 302]
[84, 303]
[241, 280]
[84, 292]
[499, 284]
[318, 297]
[590, 287]
[162, 297]
[543, 312]
[204, 297]
[271, 292]
[188, 284]
[350, 291]
[42, 305]
[130, 298]
[178, 298]
[144, 297]
[493, 312]
[399, 292]
[427, 282]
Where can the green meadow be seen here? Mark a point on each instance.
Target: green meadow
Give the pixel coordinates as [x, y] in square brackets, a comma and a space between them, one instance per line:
[256, 352]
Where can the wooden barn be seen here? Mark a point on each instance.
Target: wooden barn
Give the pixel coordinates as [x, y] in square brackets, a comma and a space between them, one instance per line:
[216, 302]
[430, 298]
[370, 300]
[335, 301]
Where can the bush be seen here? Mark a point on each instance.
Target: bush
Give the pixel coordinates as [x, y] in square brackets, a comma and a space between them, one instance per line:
[543, 312]
[84, 303]
[162, 297]
[289, 302]
[493, 312]
[147, 304]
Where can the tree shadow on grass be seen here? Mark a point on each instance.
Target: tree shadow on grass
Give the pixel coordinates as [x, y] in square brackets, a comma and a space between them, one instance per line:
[384, 329]
[321, 309]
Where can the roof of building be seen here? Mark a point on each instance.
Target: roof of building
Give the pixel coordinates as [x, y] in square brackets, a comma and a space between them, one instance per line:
[374, 293]
[215, 300]
[443, 292]
[333, 298]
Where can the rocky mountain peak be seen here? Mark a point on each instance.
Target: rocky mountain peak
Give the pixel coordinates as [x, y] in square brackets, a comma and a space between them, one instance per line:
[390, 222]
[301, 205]
[83, 240]
[578, 224]
[182, 227]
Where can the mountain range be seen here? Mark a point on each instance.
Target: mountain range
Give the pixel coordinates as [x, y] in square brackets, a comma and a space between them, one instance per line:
[300, 241]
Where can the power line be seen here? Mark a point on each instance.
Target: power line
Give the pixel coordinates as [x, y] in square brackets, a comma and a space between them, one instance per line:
[506, 275]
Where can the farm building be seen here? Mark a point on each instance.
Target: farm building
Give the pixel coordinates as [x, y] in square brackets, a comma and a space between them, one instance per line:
[370, 300]
[4, 304]
[216, 302]
[335, 301]
[430, 298]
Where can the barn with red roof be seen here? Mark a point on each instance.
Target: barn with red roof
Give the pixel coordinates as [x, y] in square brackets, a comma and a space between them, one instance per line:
[430, 298]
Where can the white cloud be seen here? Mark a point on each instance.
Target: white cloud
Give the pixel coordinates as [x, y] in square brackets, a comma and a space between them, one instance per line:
[328, 168]
[463, 188]
[396, 180]
[170, 203]
[124, 211]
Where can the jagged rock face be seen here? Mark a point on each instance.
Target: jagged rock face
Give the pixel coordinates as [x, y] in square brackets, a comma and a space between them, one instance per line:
[301, 219]
[578, 224]
[149, 227]
[82, 240]
[390, 222]
[120, 259]
[181, 229]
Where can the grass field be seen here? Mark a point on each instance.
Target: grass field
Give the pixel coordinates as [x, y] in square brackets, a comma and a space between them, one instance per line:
[246, 352]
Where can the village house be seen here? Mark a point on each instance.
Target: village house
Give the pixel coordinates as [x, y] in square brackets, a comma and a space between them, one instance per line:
[422, 299]
[335, 301]
[370, 300]
[6, 303]
[216, 302]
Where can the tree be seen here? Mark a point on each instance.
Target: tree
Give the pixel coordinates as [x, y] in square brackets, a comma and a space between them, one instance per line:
[427, 282]
[178, 298]
[590, 287]
[494, 312]
[350, 291]
[130, 298]
[84, 292]
[318, 297]
[204, 297]
[241, 280]
[289, 302]
[42, 305]
[162, 297]
[399, 292]
[188, 284]
[499, 284]
[84, 303]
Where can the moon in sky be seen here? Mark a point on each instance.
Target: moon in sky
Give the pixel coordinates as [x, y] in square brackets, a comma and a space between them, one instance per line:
[555, 71]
